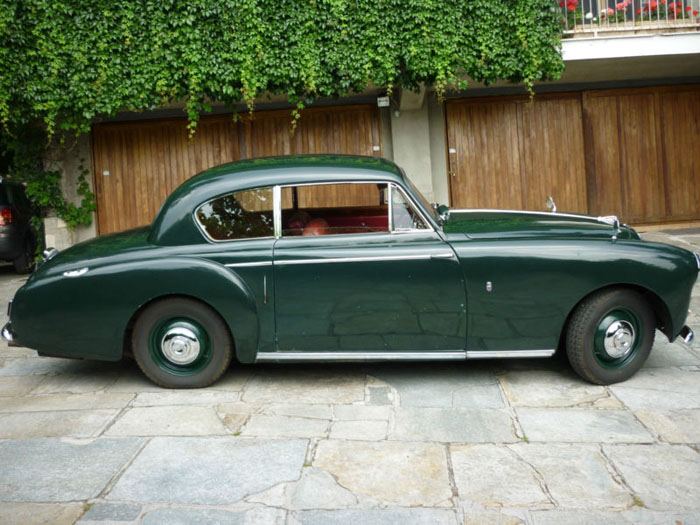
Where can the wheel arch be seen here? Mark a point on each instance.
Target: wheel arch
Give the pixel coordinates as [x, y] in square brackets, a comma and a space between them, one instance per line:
[128, 331]
[661, 311]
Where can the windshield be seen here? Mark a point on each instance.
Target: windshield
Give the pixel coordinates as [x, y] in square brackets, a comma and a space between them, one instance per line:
[423, 200]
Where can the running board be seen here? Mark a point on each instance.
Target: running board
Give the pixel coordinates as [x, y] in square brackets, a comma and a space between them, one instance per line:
[458, 355]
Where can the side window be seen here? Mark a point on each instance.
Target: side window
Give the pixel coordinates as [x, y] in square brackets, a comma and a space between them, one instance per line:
[334, 209]
[241, 215]
[404, 215]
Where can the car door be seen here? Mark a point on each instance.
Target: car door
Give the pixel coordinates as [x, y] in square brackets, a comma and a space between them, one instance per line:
[358, 269]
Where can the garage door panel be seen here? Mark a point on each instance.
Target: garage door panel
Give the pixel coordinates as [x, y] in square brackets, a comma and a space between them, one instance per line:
[485, 164]
[514, 153]
[552, 154]
[147, 160]
[680, 132]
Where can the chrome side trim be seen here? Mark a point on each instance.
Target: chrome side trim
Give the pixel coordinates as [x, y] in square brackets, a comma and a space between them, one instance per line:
[491, 354]
[456, 355]
[544, 213]
[246, 264]
[76, 273]
[686, 334]
[364, 259]
[697, 258]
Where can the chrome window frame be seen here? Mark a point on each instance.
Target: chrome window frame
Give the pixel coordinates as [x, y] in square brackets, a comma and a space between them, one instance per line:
[412, 204]
[211, 240]
[278, 206]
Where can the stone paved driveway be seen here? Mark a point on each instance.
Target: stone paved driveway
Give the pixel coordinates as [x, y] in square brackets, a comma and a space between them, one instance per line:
[480, 442]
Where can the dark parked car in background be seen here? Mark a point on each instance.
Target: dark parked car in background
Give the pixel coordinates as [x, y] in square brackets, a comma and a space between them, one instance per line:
[17, 240]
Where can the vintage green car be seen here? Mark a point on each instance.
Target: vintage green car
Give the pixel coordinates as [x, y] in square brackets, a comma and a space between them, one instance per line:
[340, 258]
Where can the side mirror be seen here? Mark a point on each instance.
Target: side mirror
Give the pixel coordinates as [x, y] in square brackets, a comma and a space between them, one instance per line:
[551, 205]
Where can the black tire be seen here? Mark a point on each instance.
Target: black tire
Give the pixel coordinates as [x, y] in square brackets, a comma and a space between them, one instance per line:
[610, 335]
[167, 333]
[24, 262]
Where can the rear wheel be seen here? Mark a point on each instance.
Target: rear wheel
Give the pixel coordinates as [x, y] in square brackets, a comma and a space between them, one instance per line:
[181, 343]
[610, 336]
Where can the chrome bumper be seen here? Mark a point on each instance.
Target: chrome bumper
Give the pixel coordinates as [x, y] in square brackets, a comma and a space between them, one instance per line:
[7, 334]
[686, 334]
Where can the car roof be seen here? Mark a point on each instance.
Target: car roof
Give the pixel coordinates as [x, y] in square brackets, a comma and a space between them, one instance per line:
[174, 223]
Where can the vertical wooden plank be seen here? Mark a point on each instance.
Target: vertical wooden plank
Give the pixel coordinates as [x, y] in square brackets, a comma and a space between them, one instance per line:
[680, 132]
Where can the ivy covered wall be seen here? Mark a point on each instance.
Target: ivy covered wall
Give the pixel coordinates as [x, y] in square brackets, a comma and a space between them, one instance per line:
[66, 62]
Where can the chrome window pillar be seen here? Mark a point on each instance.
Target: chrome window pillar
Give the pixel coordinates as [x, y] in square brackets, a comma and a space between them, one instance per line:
[277, 210]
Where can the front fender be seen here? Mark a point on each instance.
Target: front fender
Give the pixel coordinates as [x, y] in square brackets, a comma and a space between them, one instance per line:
[87, 316]
[535, 284]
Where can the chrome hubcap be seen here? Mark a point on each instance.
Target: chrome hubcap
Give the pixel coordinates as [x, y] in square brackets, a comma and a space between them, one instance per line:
[180, 346]
[619, 339]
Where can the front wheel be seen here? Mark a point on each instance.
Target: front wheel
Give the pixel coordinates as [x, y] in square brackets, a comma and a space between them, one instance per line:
[610, 336]
[181, 343]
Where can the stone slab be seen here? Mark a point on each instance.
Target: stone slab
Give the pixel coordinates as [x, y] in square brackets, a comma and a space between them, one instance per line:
[90, 379]
[673, 426]
[208, 471]
[576, 475]
[547, 388]
[67, 423]
[359, 430]
[39, 513]
[493, 475]
[60, 402]
[452, 425]
[14, 386]
[260, 425]
[361, 412]
[204, 516]
[56, 470]
[202, 397]
[300, 410]
[581, 425]
[316, 489]
[436, 384]
[168, 421]
[314, 386]
[390, 516]
[664, 477]
[112, 512]
[664, 354]
[660, 388]
[393, 473]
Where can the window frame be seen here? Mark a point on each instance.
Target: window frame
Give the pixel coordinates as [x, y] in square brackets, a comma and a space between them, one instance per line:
[210, 239]
[277, 211]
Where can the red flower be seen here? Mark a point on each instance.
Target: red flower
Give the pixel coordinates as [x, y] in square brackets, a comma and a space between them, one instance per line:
[688, 8]
[695, 13]
[639, 11]
[561, 4]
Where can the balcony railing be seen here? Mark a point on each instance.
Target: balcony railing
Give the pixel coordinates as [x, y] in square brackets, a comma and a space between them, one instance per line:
[600, 17]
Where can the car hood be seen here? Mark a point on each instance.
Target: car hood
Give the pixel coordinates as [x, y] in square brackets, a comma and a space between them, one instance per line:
[508, 224]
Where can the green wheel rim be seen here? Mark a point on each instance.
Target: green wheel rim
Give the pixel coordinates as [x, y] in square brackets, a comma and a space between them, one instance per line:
[618, 338]
[180, 346]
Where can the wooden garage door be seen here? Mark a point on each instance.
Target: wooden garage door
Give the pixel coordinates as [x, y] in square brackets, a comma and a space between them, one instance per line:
[643, 159]
[632, 152]
[137, 164]
[512, 153]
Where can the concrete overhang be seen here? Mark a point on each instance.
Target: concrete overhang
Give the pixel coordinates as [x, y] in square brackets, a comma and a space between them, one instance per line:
[630, 46]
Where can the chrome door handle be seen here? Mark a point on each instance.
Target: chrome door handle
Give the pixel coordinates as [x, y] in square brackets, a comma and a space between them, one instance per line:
[442, 255]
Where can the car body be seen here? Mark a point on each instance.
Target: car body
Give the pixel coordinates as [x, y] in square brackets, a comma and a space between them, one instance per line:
[17, 240]
[334, 257]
